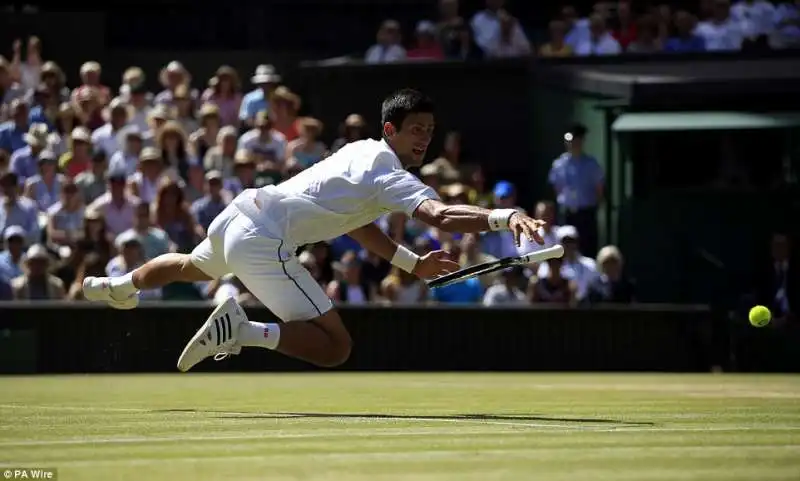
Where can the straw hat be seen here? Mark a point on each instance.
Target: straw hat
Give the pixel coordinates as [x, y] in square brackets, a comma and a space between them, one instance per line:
[37, 135]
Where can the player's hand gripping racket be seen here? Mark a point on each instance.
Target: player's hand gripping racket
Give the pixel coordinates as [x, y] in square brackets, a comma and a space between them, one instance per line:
[487, 267]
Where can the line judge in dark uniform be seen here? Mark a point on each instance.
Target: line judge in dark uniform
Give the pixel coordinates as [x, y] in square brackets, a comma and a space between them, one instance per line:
[578, 181]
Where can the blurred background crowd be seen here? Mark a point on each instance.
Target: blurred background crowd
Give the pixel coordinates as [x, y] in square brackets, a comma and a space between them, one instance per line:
[99, 176]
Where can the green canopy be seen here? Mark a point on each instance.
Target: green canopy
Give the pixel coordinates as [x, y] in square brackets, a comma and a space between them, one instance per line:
[676, 121]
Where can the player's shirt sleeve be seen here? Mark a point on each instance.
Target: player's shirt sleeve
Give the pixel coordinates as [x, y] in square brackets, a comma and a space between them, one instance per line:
[401, 191]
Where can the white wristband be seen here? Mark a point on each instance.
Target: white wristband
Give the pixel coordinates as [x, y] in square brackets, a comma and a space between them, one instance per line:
[405, 259]
[498, 218]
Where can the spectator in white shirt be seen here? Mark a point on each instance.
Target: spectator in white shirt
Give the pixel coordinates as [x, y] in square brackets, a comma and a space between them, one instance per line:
[721, 33]
[600, 41]
[509, 40]
[486, 23]
[577, 28]
[577, 268]
[756, 18]
[106, 138]
[388, 48]
[264, 141]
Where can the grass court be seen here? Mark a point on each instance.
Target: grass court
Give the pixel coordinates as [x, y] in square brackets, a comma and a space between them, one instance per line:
[399, 426]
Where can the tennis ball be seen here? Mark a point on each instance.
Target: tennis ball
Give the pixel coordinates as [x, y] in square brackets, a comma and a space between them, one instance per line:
[760, 316]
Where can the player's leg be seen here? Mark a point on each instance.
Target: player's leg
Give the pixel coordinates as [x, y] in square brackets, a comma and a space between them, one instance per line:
[205, 263]
[312, 330]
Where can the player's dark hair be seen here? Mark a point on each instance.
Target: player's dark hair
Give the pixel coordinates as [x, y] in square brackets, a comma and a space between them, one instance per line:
[400, 104]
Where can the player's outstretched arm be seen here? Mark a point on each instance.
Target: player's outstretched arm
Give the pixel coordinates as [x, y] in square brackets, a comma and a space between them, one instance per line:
[435, 263]
[470, 219]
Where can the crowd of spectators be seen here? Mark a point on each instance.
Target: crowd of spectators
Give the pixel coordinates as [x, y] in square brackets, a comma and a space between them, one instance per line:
[611, 28]
[95, 182]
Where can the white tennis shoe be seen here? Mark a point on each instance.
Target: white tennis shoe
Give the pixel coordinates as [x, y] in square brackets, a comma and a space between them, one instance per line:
[217, 337]
[98, 289]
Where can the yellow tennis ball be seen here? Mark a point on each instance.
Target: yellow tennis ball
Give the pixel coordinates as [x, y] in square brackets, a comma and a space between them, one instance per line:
[760, 316]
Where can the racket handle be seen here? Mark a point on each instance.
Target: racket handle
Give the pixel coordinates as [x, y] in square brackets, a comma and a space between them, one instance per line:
[542, 255]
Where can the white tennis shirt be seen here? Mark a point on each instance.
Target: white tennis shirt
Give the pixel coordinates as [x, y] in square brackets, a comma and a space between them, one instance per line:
[350, 189]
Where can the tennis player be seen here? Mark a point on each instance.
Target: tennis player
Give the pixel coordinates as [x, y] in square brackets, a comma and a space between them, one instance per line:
[257, 235]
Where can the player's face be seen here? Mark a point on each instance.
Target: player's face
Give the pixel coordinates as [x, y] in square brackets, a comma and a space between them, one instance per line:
[411, 141]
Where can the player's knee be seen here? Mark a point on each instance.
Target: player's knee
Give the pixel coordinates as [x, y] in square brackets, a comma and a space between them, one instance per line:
[341, 344]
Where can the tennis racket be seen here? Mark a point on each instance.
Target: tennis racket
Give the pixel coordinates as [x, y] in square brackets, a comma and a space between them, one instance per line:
[487, 267]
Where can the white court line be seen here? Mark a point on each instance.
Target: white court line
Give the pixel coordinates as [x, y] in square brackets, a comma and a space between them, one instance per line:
[539, 452]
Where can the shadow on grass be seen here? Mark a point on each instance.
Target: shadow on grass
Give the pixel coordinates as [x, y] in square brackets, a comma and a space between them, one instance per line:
[423, 417]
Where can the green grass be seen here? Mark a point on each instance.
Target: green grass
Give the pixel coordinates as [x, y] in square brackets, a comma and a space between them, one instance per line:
[433, 427]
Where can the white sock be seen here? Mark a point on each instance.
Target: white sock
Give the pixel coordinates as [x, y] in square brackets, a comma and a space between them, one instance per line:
[259, 334]
[123, 285]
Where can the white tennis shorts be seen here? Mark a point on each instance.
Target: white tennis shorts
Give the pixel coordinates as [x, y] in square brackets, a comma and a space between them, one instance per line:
[266, 266]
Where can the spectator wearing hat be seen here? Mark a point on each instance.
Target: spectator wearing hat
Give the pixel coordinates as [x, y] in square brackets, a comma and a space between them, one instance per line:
[431, 175]
[16, 210]
[10, 89]
[264, 141]
[139, 105]
[153, 170]
[353, 128]
[79, 158]
[285, 106]
[388, 48]
[577, 268]
[131, 76]
[106, 138]
[91, 73]
[205, 137]
[154, 240]
[55, 82]
[509, 39]
[546, 211]
[15, 239]
[127, 157]
[225, 91]
[266, 80]
[12, 132]
[221, 156]
[507, 292]
[89, 108]
[44, 188]
[208, 207]
[156, 119]
[65, 217]
[184, 109]
[579, 184]
[307, 149]
[131, 255]
[612, 285]
[37, 283]
[171, 77]
[43, 108]
[244, 173]
[552, 287]
[25, 161]
[116, 206]
[427, 45]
